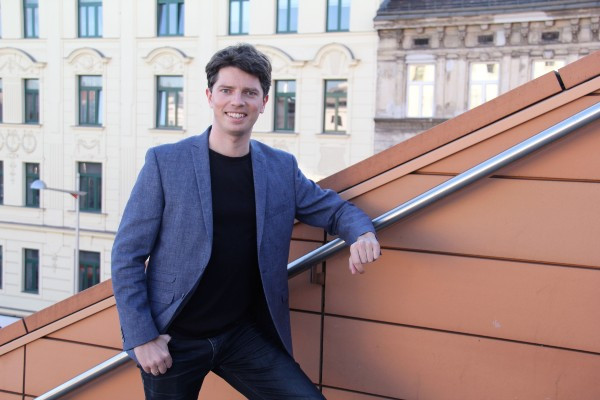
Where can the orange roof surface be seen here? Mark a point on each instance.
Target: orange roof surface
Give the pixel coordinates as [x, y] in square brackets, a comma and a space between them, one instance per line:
[490, 293]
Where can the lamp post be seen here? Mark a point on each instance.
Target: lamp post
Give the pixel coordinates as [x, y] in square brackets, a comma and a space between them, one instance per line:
[41, 185]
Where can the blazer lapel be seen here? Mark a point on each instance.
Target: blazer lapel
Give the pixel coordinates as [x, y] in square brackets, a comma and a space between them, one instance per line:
[202, 170]
[259, 171]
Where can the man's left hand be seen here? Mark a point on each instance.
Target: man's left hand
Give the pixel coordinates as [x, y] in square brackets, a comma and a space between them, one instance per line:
[365, 250]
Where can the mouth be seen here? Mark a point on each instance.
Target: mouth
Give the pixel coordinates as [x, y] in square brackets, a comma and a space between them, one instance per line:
[235, 115]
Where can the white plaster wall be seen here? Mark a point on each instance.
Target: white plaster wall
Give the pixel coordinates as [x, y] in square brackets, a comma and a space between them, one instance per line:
[120, 57]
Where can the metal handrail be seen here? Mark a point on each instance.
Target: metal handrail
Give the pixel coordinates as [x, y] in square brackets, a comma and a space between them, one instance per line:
[482, 170]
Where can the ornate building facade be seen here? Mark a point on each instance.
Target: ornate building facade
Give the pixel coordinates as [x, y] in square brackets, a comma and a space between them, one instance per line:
[437, 59]
[87, 86]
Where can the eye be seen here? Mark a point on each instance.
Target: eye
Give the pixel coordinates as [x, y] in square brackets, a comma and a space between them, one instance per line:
[252, 93]
[225, 90]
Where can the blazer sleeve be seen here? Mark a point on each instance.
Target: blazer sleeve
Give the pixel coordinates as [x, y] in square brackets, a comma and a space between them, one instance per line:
[326, 209]
[133, 244]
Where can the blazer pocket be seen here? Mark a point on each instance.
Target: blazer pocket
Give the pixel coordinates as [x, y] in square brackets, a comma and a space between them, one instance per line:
[161, 287]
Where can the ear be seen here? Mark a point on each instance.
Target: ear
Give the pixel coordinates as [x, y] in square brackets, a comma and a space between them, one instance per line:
[265, 99]
[209, 97]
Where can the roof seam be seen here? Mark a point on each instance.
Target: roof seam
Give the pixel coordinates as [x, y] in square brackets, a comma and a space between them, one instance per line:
[560, 81]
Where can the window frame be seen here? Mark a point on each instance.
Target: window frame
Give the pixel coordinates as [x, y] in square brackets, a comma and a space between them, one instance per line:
[285, 96]
[98, 20]
[179, 97]
[338, 27]
[98, 107]
[84, 263]
[420, 85]
[35, 22]
[35, 93]
[1, 101]
[1, 182]
[27, 270]
[553, 60]
[1, 266]
[92, 201]
[32, 196]
[482, 83]
[336, 115]
[288, 18]
[180, 20]
[240, 5]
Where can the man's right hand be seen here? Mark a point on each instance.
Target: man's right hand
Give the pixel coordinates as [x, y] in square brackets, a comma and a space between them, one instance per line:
[154, 356]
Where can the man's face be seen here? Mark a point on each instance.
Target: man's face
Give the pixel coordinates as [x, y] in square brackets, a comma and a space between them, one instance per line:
[237, 100]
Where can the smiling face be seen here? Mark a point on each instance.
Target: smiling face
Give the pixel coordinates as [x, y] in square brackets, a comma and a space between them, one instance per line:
[237, 100]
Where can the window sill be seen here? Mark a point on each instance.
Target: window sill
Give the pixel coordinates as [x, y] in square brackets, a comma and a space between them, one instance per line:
[167, 130]
[277, 133]
[334, 134]
[21, 124]
[98, 128]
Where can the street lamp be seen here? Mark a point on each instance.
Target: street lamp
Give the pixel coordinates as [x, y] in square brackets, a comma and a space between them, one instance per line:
[41, 185]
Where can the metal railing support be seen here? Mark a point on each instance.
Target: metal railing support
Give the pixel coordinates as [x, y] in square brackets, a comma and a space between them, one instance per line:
[452, 185]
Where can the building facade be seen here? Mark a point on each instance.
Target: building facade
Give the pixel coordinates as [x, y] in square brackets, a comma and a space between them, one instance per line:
[87, 86]
[438, 59]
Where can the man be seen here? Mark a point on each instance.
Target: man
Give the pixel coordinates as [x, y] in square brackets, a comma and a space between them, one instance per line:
[215, 214]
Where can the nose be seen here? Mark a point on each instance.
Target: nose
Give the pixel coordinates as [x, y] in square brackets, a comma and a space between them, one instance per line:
[237, 98]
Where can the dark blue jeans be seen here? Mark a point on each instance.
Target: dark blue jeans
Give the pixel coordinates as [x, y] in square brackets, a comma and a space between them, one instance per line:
[254, 364]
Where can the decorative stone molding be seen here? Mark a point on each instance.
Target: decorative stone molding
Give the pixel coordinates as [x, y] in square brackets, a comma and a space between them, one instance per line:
[335, 59]
[168, 61]
[87, 61]
[17, 63]
[14, 141]
[282, 63]
[574, 29]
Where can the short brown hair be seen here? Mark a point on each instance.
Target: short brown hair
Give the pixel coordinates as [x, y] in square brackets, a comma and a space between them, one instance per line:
[245, 57]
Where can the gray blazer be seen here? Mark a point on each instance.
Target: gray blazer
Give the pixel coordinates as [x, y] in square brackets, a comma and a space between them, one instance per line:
[169, 218]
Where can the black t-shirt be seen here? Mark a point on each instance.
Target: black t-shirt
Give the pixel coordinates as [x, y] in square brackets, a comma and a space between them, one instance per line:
[230, 285]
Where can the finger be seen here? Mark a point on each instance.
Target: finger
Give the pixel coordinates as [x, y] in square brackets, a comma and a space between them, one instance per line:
[362, 252]
[169, 361]
[376, 250]
[162, 367]
[354, 254]
[351, 266]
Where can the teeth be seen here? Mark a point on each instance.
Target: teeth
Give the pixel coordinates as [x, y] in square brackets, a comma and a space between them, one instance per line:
[236, 115]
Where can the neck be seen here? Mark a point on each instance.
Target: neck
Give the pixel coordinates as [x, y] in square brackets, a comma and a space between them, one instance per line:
[231, 146]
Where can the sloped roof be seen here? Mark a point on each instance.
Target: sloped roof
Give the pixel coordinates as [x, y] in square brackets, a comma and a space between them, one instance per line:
[399, 9]
[486, 114]
[577, 80]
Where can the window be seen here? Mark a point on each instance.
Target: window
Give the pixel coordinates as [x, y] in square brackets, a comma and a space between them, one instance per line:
[1, 102]
[170, 17]
[169, 112]
[90, 100]
[485, 40]
[1, 182]
[336, 107]
[32, 101]
[90, 181]
[419, 96]
[32, 196]
[1, 262]
[239, 14]
[421, 42]
[483, 85]
[90, 18]
[30, 18]
[285, 105]
[542, 67]
[287, 16]
[338, 15]
[31, 270]
[89, 269]
[550, 36]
